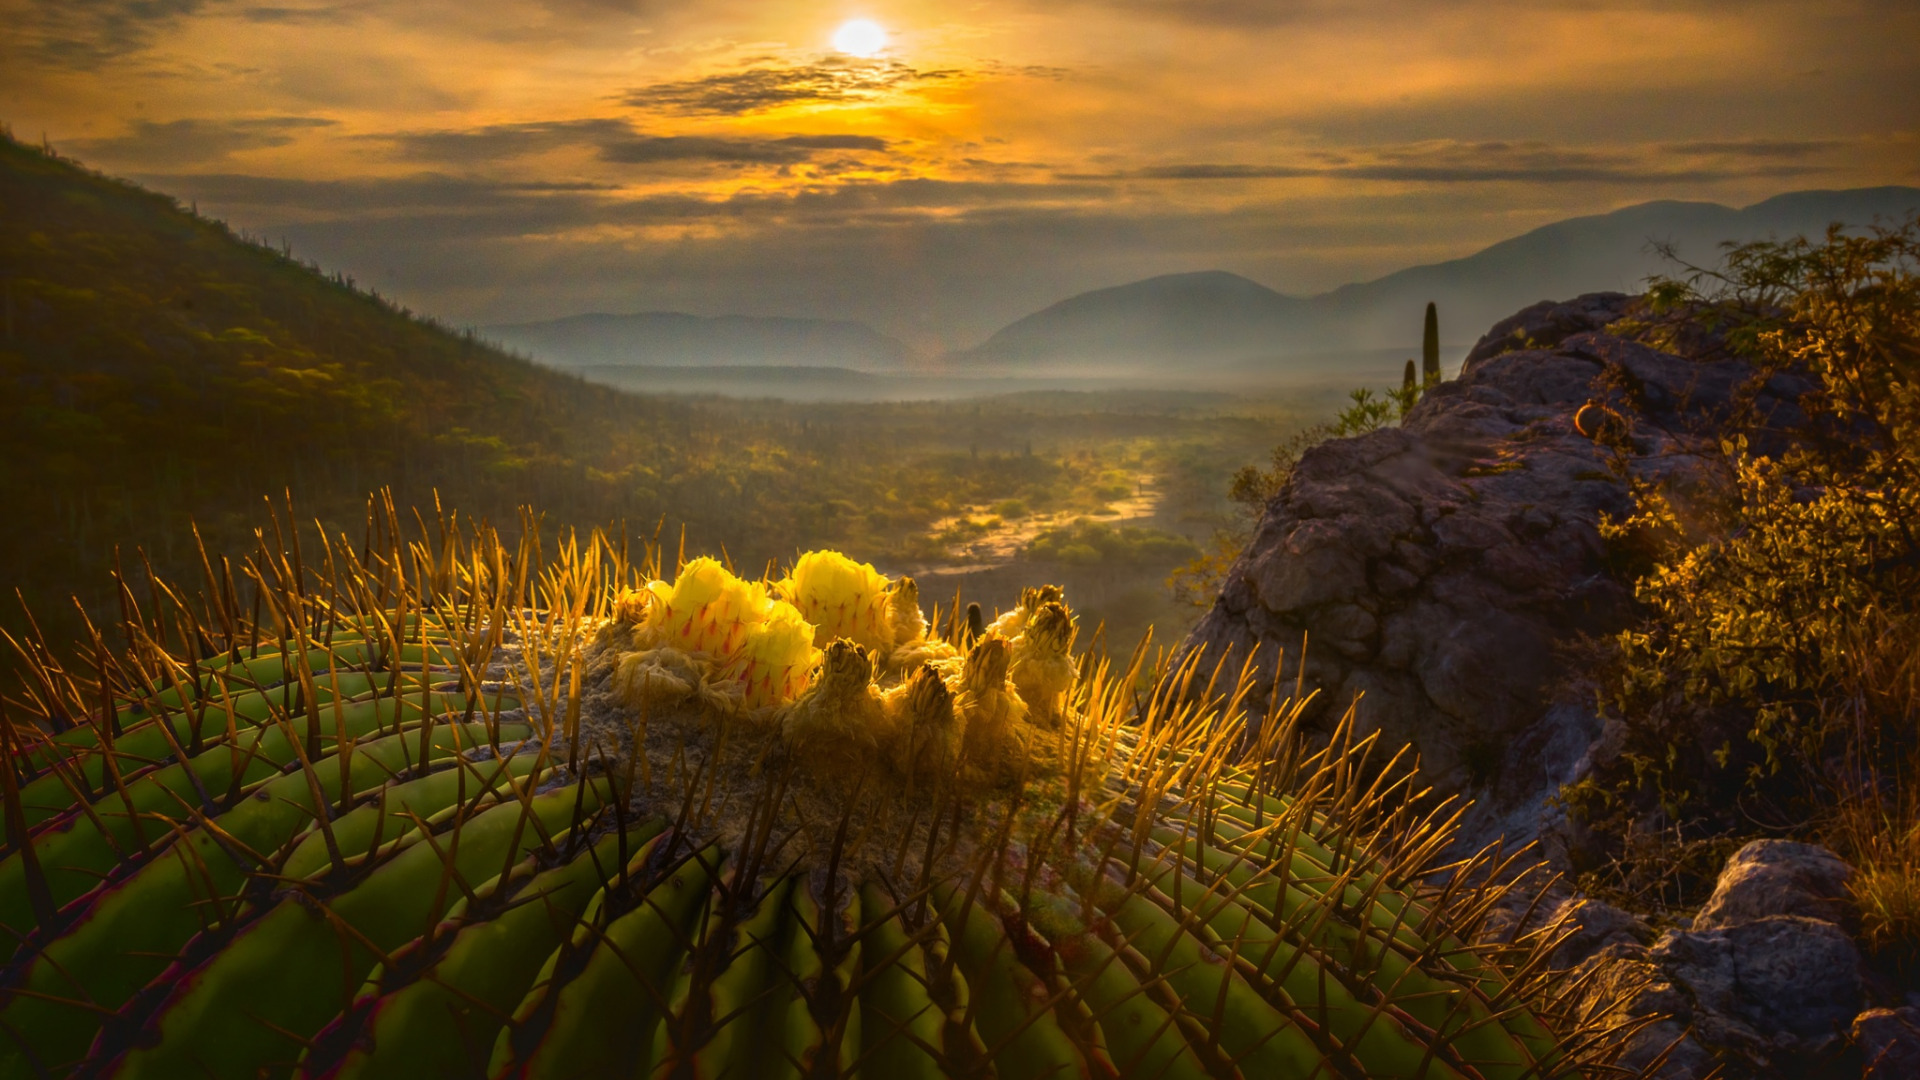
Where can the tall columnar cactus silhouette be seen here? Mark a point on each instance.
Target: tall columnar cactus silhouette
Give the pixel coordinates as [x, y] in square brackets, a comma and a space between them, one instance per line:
[1408, 393]
[1430, 348]
[427, 804]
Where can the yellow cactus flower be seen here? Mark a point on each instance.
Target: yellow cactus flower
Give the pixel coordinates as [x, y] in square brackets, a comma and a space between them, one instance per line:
[838, 724]
[760, 650]
[842, 599]
[810, 653]
[903, 613]
[913, 648]
[657, 677]
[926, 731]
[990, 714]
[631, 607]
[775, 657]
[661, 593]
[1012, 624]
[707, 609]
[1042, 669]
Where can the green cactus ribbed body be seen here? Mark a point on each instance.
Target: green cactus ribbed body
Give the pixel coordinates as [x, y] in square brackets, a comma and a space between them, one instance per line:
[396, 855]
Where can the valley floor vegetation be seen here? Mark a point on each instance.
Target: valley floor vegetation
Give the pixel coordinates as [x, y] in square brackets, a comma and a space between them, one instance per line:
[165, 374]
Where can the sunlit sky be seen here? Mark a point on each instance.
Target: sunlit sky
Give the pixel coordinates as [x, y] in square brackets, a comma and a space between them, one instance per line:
[498, 160]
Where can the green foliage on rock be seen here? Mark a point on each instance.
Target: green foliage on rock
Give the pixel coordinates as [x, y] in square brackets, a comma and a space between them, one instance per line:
[1765, 688]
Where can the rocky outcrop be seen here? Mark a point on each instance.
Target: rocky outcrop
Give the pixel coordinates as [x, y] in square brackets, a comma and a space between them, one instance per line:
[1439, 567]
[1781, 983]
[1548, 323]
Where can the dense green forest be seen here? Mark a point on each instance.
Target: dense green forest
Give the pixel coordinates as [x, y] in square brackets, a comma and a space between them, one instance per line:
[164, 372]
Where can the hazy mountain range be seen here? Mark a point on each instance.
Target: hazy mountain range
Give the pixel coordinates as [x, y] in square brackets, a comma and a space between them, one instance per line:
[1215, 319]
[1217, 323]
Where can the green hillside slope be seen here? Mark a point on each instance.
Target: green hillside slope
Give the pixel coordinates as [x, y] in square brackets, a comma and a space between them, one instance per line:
[156, 366]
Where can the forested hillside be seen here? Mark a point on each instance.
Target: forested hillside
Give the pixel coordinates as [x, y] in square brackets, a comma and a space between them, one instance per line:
[156, 364]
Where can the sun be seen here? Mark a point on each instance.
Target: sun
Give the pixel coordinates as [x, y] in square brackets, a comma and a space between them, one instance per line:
[860, 37]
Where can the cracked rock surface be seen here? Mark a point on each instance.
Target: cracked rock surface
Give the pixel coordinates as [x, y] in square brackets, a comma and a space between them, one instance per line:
[1439, 566]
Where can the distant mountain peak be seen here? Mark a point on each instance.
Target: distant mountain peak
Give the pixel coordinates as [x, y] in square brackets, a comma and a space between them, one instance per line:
[1133, 327]
[1197, 279]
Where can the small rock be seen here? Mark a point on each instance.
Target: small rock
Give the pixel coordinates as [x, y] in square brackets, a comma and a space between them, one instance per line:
[1392, 579]
[1779, 877]
[1889, 1042]
[1794, 979]
[1680, 1055]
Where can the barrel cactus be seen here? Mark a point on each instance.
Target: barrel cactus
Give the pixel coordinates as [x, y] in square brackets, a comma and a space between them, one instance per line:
[442, 807]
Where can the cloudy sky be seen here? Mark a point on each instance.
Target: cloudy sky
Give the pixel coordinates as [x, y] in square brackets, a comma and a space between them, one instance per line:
[498, 160]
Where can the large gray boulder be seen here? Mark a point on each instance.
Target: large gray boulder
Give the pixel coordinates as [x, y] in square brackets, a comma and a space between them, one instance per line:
[1772, 999]
[1439, 567]
[1785, 981]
